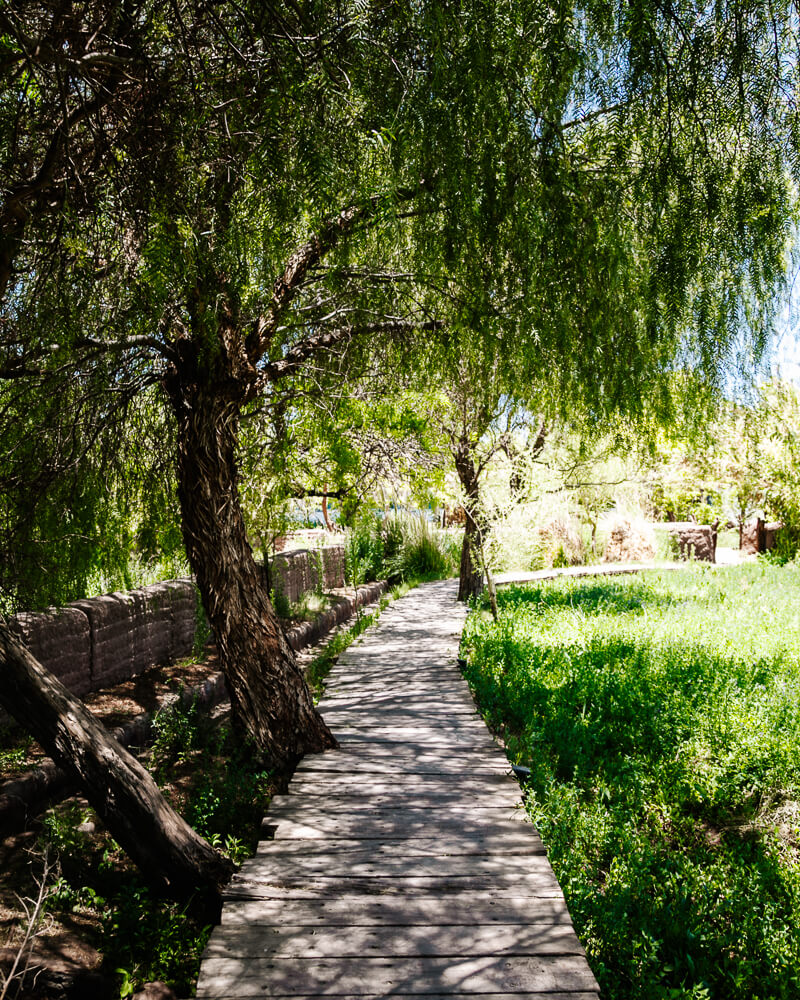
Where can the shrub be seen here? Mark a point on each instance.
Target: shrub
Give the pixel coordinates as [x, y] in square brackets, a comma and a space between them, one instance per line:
[399, 547]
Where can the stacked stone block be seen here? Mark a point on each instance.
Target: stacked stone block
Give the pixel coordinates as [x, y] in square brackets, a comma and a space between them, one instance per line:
[297, 572]
[183, 610]
[694, 541]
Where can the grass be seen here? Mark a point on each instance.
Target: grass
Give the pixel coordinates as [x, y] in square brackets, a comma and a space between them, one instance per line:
[660, 716]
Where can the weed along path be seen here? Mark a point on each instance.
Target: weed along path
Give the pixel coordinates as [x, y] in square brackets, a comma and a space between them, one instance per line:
[402, 863]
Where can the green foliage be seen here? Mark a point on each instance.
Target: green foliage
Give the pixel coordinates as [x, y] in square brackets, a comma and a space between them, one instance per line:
[231, 791]
[202, 629]
[178, 731]
[399, 547]
[59, 834]
[280, 602]
[660, 717]
[147, 939]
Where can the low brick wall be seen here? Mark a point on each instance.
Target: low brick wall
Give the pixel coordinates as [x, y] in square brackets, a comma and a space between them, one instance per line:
[759, 536]
[298, 572]
[60, 639]
[101, 641]
[693, 541]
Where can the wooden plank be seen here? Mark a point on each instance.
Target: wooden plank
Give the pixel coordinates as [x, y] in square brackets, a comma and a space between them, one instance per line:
[407, 785]
[272, 977]
[344, 910]
[406, 736]
[297, 941]
[582, 995]
[394, 866]
[402, 824]
[422, 797]
[384, 761]
[444, 845]
[314, 885]
[380, 715]
[401, 755]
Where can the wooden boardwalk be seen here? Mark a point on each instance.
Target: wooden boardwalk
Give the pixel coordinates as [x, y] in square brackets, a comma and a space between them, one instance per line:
[402, 864]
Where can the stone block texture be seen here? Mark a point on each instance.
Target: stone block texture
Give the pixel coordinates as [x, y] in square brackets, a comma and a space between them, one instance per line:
[694, 541]
[298, 571]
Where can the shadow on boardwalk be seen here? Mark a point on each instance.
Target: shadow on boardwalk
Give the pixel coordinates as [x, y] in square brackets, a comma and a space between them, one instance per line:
[402, 864]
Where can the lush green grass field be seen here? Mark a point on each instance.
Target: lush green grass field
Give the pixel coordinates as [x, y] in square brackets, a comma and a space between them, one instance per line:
[660, 715]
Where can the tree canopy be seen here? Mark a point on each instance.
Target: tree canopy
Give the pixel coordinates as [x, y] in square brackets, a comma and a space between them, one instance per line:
[222, 204]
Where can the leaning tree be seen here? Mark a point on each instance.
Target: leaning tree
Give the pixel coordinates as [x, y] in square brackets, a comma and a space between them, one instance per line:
[599, 189]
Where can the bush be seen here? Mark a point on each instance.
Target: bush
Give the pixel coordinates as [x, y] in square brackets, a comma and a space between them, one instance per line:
[399, 547]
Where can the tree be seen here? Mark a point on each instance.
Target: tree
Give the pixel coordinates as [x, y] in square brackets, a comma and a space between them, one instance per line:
[596, 190]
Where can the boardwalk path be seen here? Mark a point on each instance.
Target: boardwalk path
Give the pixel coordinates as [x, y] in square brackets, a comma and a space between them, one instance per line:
[402, 864]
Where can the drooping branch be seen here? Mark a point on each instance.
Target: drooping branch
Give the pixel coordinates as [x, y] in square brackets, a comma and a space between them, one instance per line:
[309, 254]
[316, 343]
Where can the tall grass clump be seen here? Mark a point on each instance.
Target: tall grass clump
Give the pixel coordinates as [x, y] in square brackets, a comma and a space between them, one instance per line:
[400, 547]
[660, 717]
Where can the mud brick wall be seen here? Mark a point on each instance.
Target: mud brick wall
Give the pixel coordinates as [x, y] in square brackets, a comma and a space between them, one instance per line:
[60, 639]
[101, 641]
[297, 572]
[758, 536]
[183, 616]
[694, 541]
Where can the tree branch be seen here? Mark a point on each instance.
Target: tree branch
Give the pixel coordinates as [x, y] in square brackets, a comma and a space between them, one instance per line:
[309, 254]
[296, 356]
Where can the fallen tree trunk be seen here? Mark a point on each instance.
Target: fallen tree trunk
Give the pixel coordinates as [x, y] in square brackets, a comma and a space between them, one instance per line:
[168, 852]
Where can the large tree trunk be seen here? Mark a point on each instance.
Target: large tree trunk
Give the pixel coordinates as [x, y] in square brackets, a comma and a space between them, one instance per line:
[269, 697]
[470, 578]
[166, 849]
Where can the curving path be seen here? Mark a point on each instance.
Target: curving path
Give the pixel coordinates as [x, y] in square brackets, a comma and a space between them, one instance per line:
[402, 864]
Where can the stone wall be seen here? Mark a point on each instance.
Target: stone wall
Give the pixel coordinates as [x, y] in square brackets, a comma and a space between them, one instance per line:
[298, 572]
[759, 536]
[101, 641]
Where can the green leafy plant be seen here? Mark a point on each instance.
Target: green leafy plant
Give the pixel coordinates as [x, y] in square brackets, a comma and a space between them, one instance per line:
[660, 718]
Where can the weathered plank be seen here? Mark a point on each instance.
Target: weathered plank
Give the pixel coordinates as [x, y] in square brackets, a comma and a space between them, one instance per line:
[397, 865]
[582, 995]
[315, 885]
[273, 977]
[298, 941]
[400, 823]
[310, 783]
[346, 909]
[443, 845]
[411, 737]
[425, 797]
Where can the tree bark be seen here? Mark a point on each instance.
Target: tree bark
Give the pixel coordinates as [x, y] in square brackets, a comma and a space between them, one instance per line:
[470, 579]
[168, 852]
[269, 697]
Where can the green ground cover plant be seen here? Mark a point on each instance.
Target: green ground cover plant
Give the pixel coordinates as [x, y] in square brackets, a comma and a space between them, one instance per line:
[216, 781]
[660, 717]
